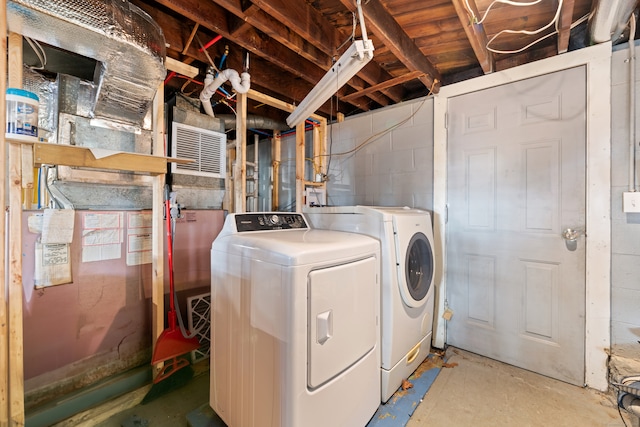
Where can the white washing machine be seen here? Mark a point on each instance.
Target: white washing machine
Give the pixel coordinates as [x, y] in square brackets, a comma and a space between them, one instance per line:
[407, 291]
[295, 324]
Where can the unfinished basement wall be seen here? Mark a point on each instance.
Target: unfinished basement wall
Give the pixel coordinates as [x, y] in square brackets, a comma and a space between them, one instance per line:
[99, 324]
[383, 157]
[625, 227]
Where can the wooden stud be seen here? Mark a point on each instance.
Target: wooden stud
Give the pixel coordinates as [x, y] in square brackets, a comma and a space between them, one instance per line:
[300, 159]
[4, 329]
[16, 356]
[157, 226]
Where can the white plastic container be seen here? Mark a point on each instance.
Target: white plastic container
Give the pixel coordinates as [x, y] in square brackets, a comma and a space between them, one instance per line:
[22, 115]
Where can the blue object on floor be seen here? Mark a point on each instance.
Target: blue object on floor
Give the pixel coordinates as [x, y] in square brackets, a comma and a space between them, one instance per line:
[399, 408]
[203, 416]
[395, 413]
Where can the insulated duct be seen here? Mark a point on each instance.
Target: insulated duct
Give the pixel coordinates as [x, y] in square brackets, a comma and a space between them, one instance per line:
[609, 19]
[253, 122]
[127, 43]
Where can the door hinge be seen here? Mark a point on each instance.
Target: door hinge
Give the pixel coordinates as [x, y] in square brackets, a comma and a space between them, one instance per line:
[446, 213]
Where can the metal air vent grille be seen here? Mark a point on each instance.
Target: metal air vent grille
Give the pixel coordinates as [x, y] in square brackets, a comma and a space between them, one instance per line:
[207, 148]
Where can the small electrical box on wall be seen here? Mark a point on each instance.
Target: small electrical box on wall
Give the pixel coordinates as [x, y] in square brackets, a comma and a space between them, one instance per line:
[631, 202]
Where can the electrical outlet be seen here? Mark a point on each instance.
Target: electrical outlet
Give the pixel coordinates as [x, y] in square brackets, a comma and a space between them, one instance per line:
[631, 202]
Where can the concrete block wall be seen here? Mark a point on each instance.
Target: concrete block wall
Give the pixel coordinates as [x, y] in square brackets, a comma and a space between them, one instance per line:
[625, 227]
[383, 157]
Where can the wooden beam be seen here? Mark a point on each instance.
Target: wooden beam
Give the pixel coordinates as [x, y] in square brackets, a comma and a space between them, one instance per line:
[391, 82]
[398, 42]
[475, 33]
[300, 160]
[275, 57]
[564, 27]
[190, 39]
[157, 226]
[181, 67]
[70, 155]
[315, 29]
[4, 327]
[15, 321]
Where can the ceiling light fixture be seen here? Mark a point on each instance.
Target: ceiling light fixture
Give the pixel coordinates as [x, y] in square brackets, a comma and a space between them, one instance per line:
[350, 63]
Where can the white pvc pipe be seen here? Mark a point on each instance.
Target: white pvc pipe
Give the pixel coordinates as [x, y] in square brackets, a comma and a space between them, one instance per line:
[632, 104]
[240, 83]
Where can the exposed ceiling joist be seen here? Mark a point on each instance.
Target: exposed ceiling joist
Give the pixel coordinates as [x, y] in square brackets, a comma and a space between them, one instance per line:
[312, 26]
[398, 42]
[564, 25]
[389, 83]
[475, 33]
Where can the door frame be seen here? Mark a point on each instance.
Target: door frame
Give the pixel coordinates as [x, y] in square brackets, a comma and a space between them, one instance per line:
[597, 62]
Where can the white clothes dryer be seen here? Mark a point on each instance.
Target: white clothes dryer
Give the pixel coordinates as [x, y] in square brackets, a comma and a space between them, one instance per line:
[295, 324]
[407, 270]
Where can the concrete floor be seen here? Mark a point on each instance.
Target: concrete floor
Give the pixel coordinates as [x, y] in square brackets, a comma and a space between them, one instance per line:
[477, 392]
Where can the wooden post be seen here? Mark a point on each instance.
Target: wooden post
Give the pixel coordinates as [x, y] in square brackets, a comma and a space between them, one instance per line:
[240, 173]
[275, 162]
[4, 336]
[16, 362]
[300, 159]
[157, 226]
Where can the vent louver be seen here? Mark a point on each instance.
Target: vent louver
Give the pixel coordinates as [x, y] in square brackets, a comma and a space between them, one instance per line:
[207, 148]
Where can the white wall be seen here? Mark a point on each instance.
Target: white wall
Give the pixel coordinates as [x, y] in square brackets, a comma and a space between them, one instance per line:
[393, 167]
[625, 227]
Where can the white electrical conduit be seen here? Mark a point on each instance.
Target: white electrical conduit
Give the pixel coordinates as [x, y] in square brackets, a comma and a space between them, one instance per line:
[632, 104]
[240, 83]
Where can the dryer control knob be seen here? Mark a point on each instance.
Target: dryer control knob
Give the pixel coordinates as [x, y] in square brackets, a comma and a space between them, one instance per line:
[274, 219]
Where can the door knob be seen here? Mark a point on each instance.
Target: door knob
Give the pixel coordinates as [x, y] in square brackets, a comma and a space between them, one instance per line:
[572, 234]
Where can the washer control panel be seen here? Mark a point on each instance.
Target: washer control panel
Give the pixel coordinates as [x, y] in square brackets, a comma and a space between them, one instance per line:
[269, 221]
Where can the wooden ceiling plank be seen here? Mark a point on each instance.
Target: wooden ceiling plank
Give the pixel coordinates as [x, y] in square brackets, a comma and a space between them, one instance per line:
[277, 30]
[475, 33]
[393, 36]
[564, 25]
[311, 25]
[283, 34]
[304, 20]
[391, 82]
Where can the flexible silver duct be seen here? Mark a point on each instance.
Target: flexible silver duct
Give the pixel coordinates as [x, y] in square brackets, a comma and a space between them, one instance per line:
[253, 122]
[128, 44]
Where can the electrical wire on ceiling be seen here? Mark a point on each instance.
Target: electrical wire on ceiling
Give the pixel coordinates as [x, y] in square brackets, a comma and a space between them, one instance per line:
[383, 132]
[553, 22]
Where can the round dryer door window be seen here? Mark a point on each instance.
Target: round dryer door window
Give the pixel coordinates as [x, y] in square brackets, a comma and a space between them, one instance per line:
[418, 270]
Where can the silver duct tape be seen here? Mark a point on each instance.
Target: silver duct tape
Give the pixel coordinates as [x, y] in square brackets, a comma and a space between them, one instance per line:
[75, 96]
[84, 132]
[47, 91]
[129, 45]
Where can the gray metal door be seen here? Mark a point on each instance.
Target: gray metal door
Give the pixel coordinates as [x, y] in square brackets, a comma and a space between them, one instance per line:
[516, 183]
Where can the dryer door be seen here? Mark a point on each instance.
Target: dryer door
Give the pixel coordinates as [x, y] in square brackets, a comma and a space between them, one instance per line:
[415, 268]
[342, 322]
